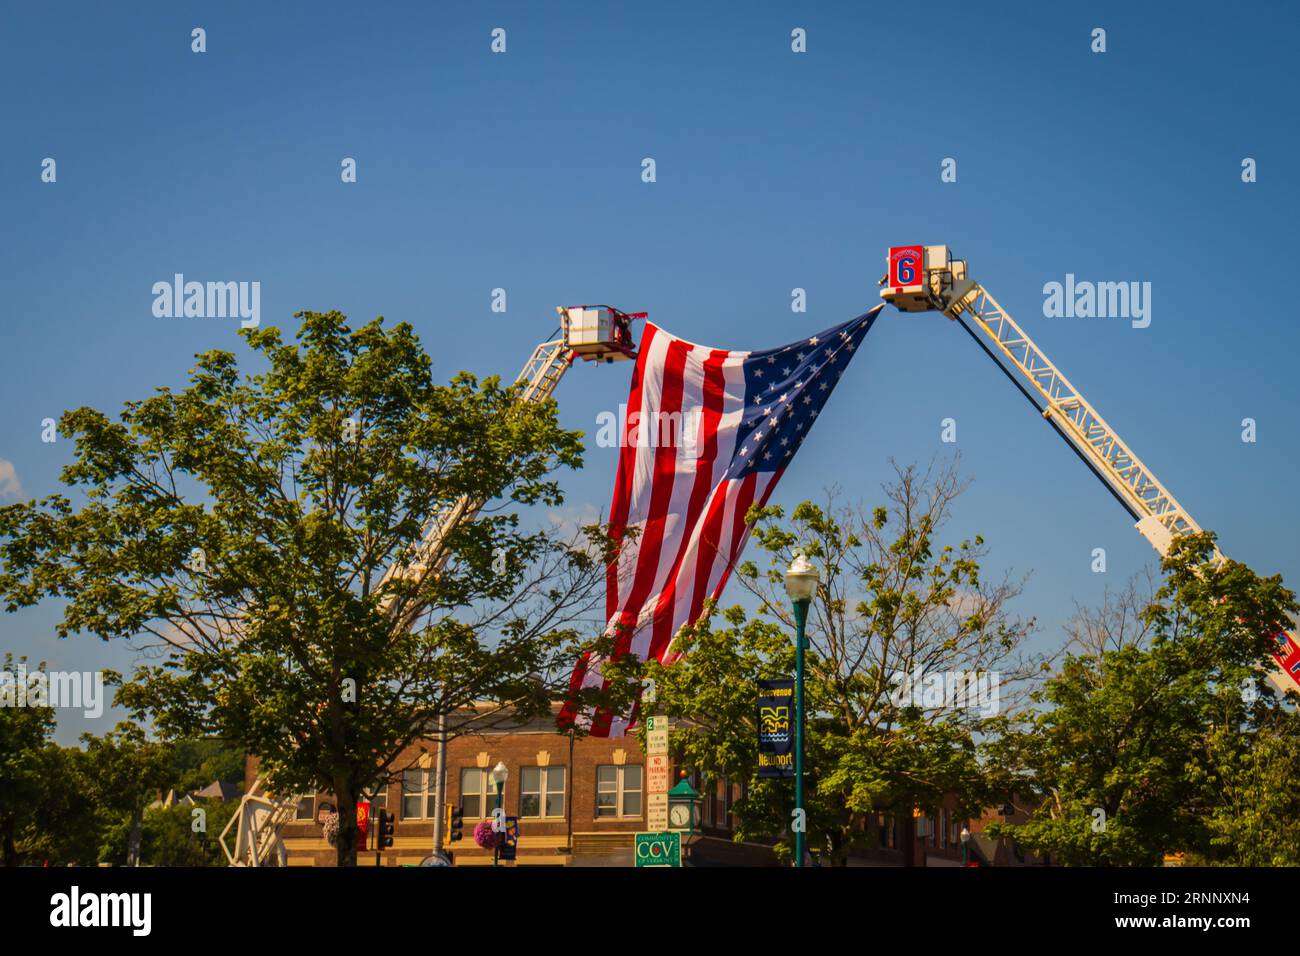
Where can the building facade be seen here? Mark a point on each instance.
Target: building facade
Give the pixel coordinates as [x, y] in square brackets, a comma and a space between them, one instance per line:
[580, 801]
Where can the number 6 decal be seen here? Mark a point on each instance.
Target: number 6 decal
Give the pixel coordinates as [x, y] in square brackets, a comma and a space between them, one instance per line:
[905, 265]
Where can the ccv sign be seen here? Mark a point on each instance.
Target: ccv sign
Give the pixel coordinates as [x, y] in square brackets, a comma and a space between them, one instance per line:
[658, 849]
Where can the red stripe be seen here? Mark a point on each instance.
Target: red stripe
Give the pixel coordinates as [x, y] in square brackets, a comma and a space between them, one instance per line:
[715, 382]
[649, 543]
[663, 477]
[623, 478]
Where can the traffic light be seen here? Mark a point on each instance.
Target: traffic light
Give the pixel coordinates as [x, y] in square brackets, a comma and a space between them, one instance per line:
[455, 823]
[387, 824]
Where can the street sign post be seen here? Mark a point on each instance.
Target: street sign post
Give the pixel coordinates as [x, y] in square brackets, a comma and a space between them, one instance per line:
[656, 811]
[657, 770]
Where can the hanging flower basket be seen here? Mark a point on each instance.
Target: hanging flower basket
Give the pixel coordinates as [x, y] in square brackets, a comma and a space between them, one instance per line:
[330, 825]
[485, 836]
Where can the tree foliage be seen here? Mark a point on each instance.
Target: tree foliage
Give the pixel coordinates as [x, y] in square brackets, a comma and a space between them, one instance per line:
[243, 526]
[1161, 741]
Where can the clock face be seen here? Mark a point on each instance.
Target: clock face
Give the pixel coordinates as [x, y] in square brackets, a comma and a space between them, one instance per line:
[679, 815]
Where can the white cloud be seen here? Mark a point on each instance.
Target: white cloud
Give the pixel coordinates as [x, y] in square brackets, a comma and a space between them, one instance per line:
[10, 486]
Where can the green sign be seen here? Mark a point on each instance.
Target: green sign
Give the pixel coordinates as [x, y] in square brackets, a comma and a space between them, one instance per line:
[658, 849]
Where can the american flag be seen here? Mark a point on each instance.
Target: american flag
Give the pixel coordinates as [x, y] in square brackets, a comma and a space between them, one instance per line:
[708, 433]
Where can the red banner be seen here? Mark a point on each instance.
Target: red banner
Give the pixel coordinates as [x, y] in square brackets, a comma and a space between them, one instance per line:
[363, 824]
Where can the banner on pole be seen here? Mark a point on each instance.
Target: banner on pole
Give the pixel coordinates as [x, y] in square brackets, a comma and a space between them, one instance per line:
[776, 728]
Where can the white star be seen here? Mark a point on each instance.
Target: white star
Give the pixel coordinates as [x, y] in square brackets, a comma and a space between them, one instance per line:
[785, 441]
[799, 427]
[813, 340]
[773, 421]
[786, 371]
[843, 334]
[758, 436]
[849, 346]
[823, 386]
[758, 401]
[744, 452]
[807, 399]
[814, 413]
[771, 360]
[798, 385]
[783, 397]
[767, 411]
[800, 356]
[767, 455]
[758, 372]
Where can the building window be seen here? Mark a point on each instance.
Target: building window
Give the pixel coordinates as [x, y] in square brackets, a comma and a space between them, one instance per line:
[541, 792]
[419, 798]
[618, 791]
[478, 794]
[306, 807]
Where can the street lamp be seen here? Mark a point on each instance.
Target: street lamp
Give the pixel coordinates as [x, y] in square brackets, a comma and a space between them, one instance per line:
[965, 846]
[500, 774]
[801, 585]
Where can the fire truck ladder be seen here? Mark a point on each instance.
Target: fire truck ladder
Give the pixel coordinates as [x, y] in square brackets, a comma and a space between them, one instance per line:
[539, 377]
[939, 283]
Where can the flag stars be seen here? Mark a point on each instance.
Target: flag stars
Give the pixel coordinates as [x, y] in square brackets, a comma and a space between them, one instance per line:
[813, 340]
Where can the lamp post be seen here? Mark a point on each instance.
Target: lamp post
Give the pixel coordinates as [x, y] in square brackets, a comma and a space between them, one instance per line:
[500, 773]
[801, 585]
[965, 846]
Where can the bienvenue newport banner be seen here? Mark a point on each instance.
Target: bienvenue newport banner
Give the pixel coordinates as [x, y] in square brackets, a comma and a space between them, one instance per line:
[776, 728]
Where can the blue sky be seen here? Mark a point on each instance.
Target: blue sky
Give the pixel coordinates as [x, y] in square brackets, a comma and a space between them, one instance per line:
[775, 170]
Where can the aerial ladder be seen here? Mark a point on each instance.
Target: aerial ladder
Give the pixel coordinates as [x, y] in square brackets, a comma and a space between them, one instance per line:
[927, 278]
[593, 333]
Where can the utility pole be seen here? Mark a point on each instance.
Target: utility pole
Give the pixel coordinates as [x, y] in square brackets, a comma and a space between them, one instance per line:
[440, 784]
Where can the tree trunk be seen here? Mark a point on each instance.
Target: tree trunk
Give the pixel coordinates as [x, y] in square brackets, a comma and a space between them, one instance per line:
[133, 842]
[347, 841]
[11, 857]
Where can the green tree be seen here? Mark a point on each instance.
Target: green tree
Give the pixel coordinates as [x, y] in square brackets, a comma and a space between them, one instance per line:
[65, 825]
[1136, 745]
[894, 605]
[24, 737]
[1254, 819]
[124, 772]
[245, 524]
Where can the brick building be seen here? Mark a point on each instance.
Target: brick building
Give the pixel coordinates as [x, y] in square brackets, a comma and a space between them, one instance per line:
[580, 800]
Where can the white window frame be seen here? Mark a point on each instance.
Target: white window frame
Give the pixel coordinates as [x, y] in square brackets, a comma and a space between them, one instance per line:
[621, 791]
[425, 795]
[544, 790]
[487, 795]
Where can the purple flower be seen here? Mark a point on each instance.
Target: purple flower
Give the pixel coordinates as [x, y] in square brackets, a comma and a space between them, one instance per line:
[486, 837]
